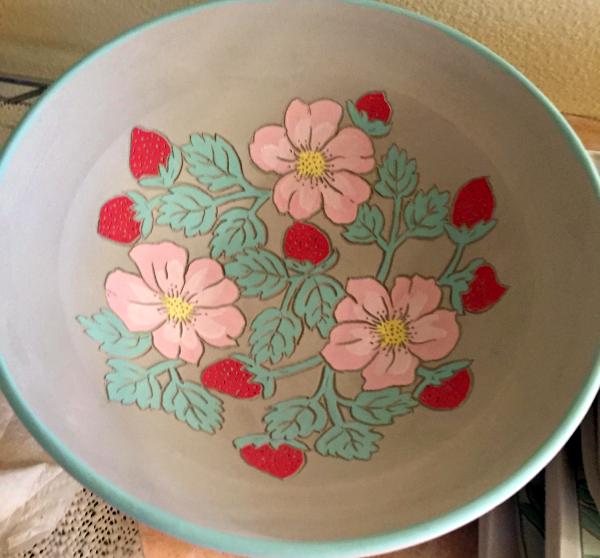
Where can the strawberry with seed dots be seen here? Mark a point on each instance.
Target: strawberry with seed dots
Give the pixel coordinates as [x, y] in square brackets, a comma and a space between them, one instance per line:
[229, 376]
[449, 394]
[474, 202]
[306, 242]
[484, 290]
[117, 220]
[281, 462]
[376, 106]
[148, 151]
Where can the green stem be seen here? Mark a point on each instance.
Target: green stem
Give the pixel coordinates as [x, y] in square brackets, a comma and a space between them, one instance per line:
[292, 369]
[258, 203]
[452, 264]
[174, 375]
[235, 196]
[388, 256]
[154, 202]
[164, 366]
[326, 390]
[253, 190]
[421, 386]
[396, 239]
[291, 292]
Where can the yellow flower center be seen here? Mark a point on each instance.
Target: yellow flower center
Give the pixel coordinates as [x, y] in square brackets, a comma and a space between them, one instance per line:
[392, 333]
[311, 164]
[178, 310]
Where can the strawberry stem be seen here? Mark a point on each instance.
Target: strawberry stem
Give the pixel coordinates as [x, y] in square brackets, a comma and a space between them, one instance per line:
[452, 264]
[327, 391]
[293, 287]
[396, 240]
[292, 369]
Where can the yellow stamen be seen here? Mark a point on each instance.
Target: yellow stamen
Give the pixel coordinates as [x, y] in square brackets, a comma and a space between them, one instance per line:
[310, 164]
[392, 333]
[178, 310]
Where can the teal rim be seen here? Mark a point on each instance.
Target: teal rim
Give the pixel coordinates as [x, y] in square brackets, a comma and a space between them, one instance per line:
[277, 548]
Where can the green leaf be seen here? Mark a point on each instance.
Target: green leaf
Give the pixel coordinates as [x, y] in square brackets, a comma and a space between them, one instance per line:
[189, 209]
[294, 418]
[316, 300]
[297, 266]
[239, 229]
[143, 212]
[167, 175]
[459, 283]
[268, 384]
[380, 407]
[367, 226]
[258, 272]
[194, 405]
[425, 215]
[350, 440]
[115, 339]
[465, 235]
[131, 384]
[374, 128]
[275, 333]
[436, 376]
[213, 161]
[258, 440]
[398, 175]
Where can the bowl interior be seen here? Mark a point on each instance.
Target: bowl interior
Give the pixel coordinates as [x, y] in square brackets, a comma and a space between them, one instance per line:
[231, 69]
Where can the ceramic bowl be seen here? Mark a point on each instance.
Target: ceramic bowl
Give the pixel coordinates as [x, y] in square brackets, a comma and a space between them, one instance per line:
[299, 278]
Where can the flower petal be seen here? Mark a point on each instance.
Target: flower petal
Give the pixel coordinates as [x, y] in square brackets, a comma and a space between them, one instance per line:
[219, 327]
[342, 194]
[350, 346]
[202, 273]
[223, 293]
[390, 368]
[178, 340]
[167, 339]
[138, 306]
[161, 265]
[415, 296]
[350, 150]
[298, 197]
[368, 301]
[271, 150]
[434, 335]
[312, 126]
[191, 347]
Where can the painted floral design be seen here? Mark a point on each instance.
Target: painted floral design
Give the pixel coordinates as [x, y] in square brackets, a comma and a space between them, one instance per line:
[184, 306]
[318, 162]
[386, 335]
[389, 328]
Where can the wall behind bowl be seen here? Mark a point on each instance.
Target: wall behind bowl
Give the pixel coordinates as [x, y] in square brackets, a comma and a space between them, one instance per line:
[556, 43]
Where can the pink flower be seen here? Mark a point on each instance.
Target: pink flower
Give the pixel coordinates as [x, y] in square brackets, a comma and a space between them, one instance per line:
[386, 334]
[319, 164]
[184, 306]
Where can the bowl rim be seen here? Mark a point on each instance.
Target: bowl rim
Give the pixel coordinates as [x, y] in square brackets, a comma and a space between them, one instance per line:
[280, 548]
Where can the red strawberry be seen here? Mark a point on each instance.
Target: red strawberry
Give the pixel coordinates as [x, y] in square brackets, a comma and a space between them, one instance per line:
[231, 377]
[376, 106]
[281, 462]
[148, 150]
[484, 290]
[473, 203]
[449, 394]
[306, 243]
[117, 220]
